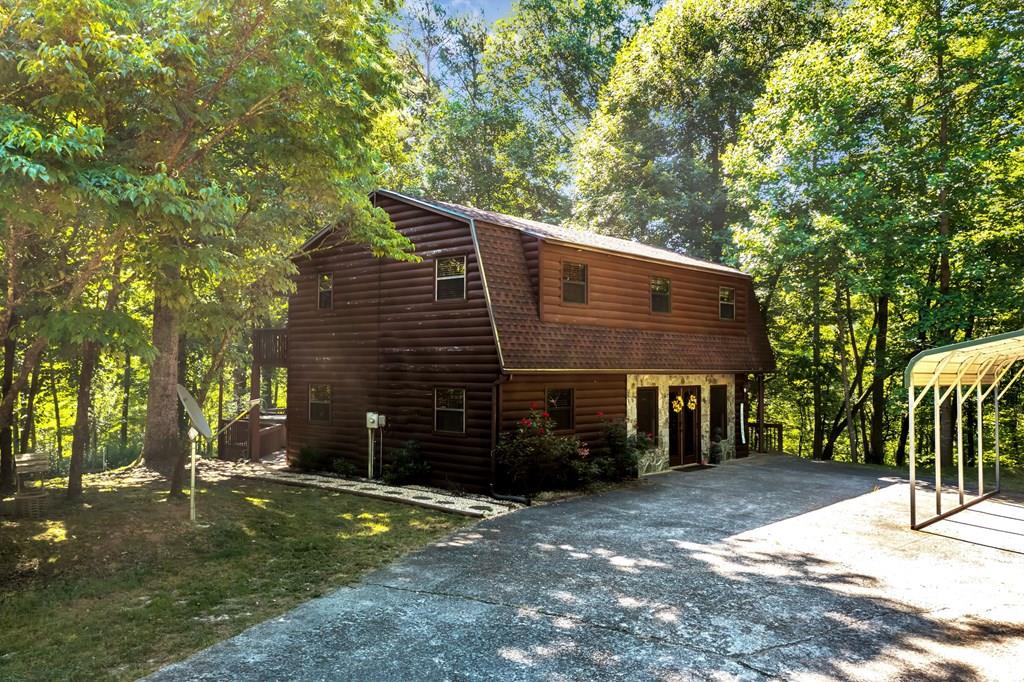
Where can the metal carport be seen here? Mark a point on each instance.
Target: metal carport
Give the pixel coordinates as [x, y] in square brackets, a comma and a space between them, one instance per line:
[979, 367]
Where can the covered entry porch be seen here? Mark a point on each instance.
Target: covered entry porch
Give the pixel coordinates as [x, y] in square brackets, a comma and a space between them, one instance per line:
[698, 418]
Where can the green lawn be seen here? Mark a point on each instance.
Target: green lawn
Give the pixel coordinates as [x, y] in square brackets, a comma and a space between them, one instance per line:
[124, 584]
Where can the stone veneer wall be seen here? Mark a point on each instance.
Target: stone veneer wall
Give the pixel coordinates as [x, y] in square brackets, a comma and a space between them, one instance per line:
[659, 460]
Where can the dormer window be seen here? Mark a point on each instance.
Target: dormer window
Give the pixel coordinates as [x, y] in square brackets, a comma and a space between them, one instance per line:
[726, 303]
[450, 278]
[661, 295]
[574, 283]
[325, 290]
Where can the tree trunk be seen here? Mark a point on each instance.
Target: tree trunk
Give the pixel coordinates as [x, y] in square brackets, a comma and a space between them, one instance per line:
[178, 474]
[80, 431]
[851, 425]
[6, 445]
[56, 411]
[28, 428]
[817, 446]
[126, 391]
[901, 446]
[162, 441]
[877, 453]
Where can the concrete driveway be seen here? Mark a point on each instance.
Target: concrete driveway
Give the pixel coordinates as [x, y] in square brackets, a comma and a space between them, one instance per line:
[770, 567]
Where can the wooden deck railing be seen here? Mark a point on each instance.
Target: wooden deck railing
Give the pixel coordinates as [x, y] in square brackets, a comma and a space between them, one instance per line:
[772, 437]
[270, 347]
[234, 442]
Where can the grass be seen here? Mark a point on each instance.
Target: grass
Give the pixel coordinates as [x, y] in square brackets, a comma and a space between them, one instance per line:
[123, 584]
[1011, 474]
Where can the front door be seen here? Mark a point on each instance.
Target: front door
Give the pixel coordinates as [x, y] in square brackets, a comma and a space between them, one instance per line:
[684, 425]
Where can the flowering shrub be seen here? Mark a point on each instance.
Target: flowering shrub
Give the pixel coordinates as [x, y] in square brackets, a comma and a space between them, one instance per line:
[533, 457]
[622, 451]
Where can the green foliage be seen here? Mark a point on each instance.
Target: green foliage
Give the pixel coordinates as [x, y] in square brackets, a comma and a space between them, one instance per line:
[312, 459]
[534, 457]
[496, 112]
[406, 465]
[875, 169]
[648, 166]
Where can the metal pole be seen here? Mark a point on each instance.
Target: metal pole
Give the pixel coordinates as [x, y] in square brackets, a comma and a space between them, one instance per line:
[913, 455]
[960, 440]
[938, 454]
[995, 393]
[192, 491]
[981, 441]
[369, 459]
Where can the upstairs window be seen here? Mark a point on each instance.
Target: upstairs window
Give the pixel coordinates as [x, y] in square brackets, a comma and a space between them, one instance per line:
[319, 403]
[450, 278]
[574, 282]
[661, 295]
[726, 303]
[450, 410]
[558, 402]
[325, 290]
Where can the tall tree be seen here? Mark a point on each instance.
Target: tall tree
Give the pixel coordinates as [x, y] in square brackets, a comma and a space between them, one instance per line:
[894, 130]
[649, 165]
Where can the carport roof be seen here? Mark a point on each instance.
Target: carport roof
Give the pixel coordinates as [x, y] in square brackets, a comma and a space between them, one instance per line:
[966, 362]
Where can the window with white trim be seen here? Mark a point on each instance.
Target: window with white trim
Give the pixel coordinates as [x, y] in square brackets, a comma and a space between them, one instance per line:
[574, 282]
[726, 303]
[450, 278]
[324, 290]
[450, 410]
[661, 295]
[559, 404]
[319, 403]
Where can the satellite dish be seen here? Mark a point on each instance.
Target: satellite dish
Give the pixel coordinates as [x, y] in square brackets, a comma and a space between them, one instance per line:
[195, 414]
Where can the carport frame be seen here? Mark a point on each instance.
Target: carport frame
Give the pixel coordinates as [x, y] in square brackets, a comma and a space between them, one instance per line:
[980, 365]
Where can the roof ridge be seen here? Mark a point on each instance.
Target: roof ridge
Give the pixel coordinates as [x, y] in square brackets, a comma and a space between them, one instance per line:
[572, 235]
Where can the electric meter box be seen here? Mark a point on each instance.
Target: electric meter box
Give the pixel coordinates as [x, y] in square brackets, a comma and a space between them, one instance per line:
[372, 420]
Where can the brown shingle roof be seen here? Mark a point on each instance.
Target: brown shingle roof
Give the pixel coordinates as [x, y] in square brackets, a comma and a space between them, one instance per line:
[569, 235]
[527, 343]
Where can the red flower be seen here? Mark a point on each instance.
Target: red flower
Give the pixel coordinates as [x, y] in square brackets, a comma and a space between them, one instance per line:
[545, 415]
[534, 405]
[600, 413]
[525, 421]
[541, 430]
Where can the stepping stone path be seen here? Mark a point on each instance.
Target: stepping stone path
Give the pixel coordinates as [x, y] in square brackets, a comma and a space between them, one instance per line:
[276, 470]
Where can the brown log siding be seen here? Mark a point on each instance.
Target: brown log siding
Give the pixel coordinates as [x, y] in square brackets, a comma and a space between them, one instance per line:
[386, 344]
[593, 393]
[618, 294]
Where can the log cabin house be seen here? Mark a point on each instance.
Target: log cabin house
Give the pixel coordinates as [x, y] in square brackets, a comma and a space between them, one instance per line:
[502, 313]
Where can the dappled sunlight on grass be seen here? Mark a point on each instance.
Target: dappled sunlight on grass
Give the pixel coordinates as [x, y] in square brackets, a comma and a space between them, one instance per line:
[131, 562]
[55, 532]
[365, 524]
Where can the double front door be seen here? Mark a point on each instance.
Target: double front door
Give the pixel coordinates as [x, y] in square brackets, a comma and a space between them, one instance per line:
[683, 425]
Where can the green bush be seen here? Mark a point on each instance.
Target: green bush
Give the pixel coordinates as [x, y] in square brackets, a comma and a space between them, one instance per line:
[533, 457]
[344, 468]
[405, 465]
[310, 458]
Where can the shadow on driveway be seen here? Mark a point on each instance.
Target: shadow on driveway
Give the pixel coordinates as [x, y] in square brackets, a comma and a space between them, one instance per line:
[762, 568]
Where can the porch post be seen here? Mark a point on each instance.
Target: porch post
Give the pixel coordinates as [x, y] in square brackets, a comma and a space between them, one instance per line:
[760, 413]
[960, 440]
[995, 393]
[981, 442]
[912, 443]
[938, 453]
[254, 414]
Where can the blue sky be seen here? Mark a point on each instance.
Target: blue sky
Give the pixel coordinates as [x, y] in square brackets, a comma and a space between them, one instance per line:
[491, 9]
